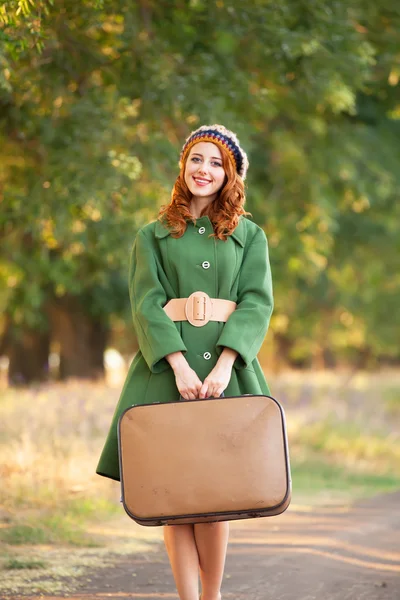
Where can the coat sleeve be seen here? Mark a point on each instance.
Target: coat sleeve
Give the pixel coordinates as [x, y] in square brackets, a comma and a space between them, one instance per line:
[157, 334]
[247, 326]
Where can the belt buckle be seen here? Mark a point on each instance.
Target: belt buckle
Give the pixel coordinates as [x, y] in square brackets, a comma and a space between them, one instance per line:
[198, 309]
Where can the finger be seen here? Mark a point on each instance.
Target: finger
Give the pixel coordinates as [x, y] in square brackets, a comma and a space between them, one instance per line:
[186, 393]
[221, 390]
[211, 392]
[204, 390]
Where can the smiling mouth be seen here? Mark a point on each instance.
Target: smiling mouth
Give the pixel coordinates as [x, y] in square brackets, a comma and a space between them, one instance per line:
[201, 181]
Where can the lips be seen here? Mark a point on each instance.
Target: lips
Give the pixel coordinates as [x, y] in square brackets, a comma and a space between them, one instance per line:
[200, 181]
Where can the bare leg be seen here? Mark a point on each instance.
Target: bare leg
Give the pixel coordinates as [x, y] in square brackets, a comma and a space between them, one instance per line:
[183, 556]
[211, 541]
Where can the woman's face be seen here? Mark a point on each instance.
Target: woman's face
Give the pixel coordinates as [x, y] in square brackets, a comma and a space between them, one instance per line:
[204, 173]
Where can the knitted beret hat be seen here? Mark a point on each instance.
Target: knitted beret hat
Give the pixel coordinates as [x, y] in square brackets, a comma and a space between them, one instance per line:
[219, 135]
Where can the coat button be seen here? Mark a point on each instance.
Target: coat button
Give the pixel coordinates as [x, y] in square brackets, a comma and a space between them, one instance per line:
[207, 355]
[202, 230]
[205, 264]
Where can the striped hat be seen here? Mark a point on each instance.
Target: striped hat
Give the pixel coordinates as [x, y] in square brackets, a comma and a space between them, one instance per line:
[219, 135]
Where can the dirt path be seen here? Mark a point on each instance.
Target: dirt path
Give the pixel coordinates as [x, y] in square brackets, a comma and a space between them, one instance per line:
[340, 553]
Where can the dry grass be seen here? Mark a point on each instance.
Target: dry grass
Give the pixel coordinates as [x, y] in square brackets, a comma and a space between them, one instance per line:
[350, 420]
[344, 432]
[50, 440]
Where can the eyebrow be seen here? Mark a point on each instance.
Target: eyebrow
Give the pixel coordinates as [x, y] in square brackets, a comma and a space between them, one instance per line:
[198, 154]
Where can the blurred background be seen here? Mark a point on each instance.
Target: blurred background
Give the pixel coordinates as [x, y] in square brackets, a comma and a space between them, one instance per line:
[96, 100]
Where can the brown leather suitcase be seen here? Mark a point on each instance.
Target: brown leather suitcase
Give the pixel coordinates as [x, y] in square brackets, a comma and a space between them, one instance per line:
[195, 461]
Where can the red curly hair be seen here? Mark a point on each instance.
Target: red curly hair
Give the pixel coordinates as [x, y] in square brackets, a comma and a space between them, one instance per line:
[223, 212]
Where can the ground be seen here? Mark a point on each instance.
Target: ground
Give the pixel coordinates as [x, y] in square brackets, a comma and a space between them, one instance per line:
[327, 553]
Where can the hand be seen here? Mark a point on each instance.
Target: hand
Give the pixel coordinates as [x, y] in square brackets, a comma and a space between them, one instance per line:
[218, 379]
[187, 381]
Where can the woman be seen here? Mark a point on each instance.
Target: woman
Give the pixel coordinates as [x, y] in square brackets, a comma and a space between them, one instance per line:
[201, 242]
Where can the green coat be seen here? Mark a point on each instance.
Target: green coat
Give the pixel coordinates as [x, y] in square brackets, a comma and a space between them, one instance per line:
[162, 268]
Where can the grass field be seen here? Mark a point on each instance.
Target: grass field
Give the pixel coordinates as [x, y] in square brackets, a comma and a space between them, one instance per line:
[343, 434]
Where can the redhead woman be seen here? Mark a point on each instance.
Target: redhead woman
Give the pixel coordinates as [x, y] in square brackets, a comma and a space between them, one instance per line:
[201, 242]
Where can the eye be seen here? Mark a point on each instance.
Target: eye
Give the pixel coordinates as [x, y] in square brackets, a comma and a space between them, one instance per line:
[195, 159]
[217, 164]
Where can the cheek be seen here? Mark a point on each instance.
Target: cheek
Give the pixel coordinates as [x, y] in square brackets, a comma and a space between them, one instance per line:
[220, 178]
[187, 173]
[191, 168]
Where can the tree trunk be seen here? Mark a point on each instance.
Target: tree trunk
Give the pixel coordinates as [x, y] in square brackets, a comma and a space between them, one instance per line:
[28, 354]
[82, 339]
[282, 346]
[323, 358]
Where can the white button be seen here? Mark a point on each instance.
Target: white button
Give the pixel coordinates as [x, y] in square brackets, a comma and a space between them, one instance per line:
[202, 230]
[205, 264]
[207, 355]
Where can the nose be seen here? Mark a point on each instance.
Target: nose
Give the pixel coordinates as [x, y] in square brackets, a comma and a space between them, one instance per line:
[202, 169]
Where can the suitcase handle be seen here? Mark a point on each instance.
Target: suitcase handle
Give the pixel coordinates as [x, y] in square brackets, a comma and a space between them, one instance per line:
[221, 396]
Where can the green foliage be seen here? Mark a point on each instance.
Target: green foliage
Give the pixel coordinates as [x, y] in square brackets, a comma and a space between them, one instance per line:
[314, 479]
[50, 530]
[23, 534]
[98, 97]
[16, 563]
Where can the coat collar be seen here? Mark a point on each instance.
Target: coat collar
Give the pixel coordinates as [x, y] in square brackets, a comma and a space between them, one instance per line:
[238, 234]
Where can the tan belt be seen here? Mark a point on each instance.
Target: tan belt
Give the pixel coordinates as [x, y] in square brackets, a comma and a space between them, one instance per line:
[199, 309]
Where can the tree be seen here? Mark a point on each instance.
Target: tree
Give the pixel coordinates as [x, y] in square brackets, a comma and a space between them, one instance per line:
[97, 99]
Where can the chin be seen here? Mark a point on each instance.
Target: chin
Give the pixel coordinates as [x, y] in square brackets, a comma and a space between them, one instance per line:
[202, 193]
[197, 192]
